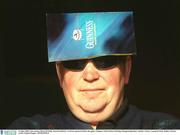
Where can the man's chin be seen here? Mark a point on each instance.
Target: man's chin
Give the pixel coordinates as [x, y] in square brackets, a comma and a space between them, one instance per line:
[92, 117]
[93, 110]
[93, 106]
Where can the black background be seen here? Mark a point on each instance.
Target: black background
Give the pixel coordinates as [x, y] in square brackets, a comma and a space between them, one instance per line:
[28, 83]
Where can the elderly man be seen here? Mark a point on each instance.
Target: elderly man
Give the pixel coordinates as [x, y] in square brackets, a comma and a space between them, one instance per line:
[93, 56]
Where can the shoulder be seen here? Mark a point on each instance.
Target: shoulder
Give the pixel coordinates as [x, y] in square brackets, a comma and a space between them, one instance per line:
[38, 122]
[155, 120]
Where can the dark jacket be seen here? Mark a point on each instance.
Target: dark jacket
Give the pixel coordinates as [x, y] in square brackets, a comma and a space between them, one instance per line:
[127, 117]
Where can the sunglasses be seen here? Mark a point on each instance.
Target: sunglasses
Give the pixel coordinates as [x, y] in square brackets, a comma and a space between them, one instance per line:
[101, 63]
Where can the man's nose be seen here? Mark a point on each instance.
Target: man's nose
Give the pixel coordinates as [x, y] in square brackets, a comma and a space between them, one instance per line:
[90, 72]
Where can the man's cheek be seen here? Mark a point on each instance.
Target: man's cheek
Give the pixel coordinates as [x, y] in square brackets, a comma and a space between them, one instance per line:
[69, 82]
[113, 80]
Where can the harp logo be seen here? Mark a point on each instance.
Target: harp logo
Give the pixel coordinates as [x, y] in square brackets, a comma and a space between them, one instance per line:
[77, 34]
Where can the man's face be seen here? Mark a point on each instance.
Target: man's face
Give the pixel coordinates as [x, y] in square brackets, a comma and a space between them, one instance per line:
[93, 95]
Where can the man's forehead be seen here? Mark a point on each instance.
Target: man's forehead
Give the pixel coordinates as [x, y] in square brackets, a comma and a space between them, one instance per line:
[87, 35]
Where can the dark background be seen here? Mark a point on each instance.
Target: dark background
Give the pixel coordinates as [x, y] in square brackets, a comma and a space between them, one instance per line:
[28, 83]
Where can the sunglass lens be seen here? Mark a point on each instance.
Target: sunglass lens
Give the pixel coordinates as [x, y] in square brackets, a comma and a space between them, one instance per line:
[108, 61]
[74, 64]
[100, 62]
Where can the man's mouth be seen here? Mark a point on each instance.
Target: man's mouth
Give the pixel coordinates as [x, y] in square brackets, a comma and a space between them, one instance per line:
[92, 90]
[92, 93]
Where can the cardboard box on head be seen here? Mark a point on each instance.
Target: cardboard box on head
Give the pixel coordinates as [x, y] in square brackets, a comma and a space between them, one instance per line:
[73, 36]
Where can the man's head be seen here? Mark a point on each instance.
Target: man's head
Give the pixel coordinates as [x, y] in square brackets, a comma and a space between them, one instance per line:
[93, 94]
[93, 54]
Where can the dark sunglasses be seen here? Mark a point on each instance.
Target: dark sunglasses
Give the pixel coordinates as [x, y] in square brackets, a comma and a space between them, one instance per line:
[101, 63]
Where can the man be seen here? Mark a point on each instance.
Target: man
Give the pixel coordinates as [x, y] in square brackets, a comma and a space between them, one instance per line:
[93, 57]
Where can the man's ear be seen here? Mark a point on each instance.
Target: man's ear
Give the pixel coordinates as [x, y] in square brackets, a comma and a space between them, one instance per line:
[58, 71]
[128, 65]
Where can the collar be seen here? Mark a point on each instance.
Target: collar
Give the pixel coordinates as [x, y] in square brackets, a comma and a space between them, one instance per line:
[112, 122]
[76, 123]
